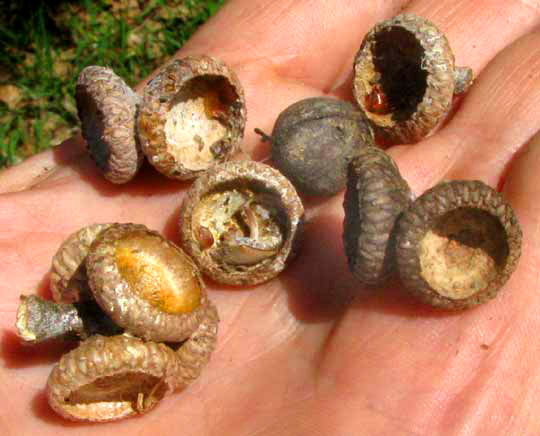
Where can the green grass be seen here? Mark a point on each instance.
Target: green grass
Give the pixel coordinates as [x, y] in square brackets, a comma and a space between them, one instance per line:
[42, 55]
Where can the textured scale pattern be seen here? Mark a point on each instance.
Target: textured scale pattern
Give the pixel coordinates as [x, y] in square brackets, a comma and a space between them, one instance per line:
[107, 108]
[100, 357]
[243, 173]
[158, 97]
[421, 216]
[69, 282]
[127, 309]
[437, 61]
[376, 195]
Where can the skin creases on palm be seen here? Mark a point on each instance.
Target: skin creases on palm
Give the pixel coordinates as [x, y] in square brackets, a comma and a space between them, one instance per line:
[312, 352]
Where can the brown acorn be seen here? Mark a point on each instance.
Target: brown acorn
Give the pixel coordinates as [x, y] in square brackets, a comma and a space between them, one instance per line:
[457, 244]
[146, 284]
[69, 282]
[107, 109]
[376, 195]
[192, 116]
[405, 78]
[314, 139]
[110, 378]
[241, 222]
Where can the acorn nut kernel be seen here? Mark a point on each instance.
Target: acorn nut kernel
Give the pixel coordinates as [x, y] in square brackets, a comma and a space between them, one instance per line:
[107, 108]
[145, 283]
[241, 222]
[376, 195]
[405, 78]
[457, 244]
[314, 139]
[192, 116]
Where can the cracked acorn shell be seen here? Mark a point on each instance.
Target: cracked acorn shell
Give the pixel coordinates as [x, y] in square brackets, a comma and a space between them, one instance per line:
[146, 284]
[107, 109]
[192, 116]
[110, 378]
[69, 282]
[241, 222]
[375, 197]
[405, 78]
[457, 244]
[314, 139]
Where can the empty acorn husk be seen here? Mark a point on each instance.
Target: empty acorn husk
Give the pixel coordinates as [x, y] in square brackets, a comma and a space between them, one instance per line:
[192, 116]
[405, 78]
[457, 244]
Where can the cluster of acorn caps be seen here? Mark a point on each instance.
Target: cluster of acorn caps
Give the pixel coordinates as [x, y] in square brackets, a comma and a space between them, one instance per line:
[122, 287]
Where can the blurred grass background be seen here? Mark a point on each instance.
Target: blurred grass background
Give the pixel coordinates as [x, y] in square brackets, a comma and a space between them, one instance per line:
[44, 44]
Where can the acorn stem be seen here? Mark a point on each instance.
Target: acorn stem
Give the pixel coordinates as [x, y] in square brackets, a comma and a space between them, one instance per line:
[39, 320]
[463, 78]
[264, 136]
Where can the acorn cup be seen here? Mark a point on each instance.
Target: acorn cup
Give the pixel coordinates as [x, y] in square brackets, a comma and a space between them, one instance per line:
[405, 78]
[457, 244]
[145, 321]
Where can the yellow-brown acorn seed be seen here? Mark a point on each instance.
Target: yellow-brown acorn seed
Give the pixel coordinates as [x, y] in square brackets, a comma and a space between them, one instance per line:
[145, 283]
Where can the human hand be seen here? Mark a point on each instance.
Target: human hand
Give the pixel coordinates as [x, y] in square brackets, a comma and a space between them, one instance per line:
[312, 351]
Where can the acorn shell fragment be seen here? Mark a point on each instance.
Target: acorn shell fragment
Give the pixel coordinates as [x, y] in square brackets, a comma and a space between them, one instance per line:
[192, 116]
[458, 244]
[405, 78]
[107, 109]
[109, 378]
[241, 222]
[145, 283]
[314, 139]
[375, 197]
[69, 282]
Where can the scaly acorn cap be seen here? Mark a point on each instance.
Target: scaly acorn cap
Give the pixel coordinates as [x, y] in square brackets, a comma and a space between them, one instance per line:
[241, 222]
[110, 378]
[405, 78]
[107, 109]
[457, 244]
[69, 283]
[192, 116]
[376, 195]
[146, 284]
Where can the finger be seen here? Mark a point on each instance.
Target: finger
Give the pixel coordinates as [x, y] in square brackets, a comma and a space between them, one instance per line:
[498, 116]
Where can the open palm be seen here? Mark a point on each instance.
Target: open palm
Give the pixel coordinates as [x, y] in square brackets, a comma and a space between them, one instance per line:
[313, 352]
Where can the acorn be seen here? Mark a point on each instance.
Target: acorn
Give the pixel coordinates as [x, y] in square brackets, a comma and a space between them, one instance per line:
[110, 378]
[107, 108]
[192, 116]
[146, 284]
[457, 244]
[314, 139]
[405, 78]
[241, 222]
[69, 282]
[376, 196]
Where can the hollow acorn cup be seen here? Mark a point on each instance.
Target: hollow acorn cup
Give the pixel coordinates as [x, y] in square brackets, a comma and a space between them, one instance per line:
[314, 139]
[241, 222]
[405, 78]
[145, 283]
[192, 116]
[107, 108]
[376, 195]
[457, 244]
